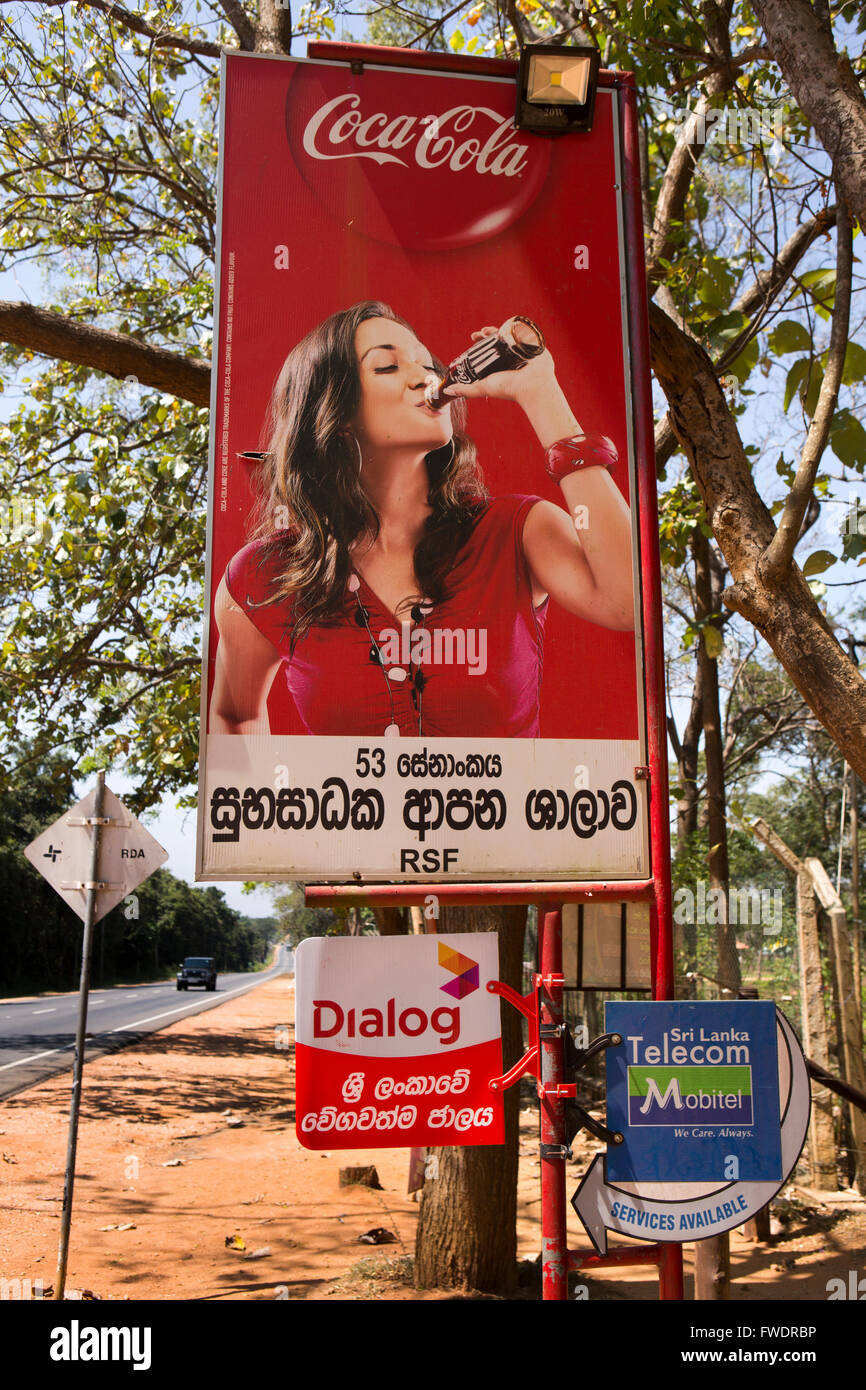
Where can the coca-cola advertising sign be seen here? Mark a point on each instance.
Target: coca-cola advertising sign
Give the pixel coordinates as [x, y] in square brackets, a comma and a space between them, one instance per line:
[480, 175]
[422, 654]
[396, 1040]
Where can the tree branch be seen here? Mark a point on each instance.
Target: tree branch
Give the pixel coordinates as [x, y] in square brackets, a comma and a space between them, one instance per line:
[777, 558]
[241, 23]
[678, 177]
[759, 295]
[769, 282]
[788, 617]
[825, 87]
[166, 38]
[116, 354]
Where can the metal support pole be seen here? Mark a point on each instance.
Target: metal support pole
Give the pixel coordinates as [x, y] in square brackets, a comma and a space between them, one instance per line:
[554, 1244]
[78, 1063]
[671, 1283]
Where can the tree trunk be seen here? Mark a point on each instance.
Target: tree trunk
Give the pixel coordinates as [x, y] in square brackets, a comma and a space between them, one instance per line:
[467, 1225]
[848, 1031]
[713, 1256]
[728, 970]
[822, 1144]
[855, 901]
[391, 921]
[686, 751]
[813, 1017]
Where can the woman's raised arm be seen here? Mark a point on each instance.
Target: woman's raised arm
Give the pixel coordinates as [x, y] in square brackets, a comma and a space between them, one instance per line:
[246, 664]
[582, 557]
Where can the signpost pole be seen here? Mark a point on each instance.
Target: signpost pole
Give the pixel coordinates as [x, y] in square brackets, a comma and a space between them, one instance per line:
[554, 1242]
[78, 1063]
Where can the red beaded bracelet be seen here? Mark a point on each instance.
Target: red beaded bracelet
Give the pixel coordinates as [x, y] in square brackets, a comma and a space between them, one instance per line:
[580, 451]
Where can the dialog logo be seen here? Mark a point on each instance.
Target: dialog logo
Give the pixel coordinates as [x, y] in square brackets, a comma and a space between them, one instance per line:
[463, 968]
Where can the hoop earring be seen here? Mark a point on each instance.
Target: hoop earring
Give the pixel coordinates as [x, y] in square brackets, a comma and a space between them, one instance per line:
[354, 439]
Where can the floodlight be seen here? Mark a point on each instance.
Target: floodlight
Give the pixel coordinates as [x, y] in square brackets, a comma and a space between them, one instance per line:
[556, 87]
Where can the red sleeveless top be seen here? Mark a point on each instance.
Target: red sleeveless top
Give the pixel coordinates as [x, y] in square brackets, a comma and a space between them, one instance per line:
[472, 669]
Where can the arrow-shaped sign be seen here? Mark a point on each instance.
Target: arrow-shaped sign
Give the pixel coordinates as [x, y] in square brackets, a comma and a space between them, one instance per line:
[677, 1212]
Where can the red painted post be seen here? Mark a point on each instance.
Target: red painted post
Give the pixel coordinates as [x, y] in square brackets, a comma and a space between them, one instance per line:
[554, 1244]
[671, 1284]
[661, 911]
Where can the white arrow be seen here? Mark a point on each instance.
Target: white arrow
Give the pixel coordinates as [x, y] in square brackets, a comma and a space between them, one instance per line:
[697, 1211]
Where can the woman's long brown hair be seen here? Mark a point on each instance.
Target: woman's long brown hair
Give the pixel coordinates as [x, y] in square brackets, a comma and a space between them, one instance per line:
[311, 506]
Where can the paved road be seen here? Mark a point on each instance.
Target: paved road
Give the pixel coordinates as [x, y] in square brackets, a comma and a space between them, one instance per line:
[37, 1036]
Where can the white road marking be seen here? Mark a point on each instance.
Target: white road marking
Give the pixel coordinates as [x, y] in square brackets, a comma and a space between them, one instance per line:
[35, 1057]
[169, 1012]
[43, 1011]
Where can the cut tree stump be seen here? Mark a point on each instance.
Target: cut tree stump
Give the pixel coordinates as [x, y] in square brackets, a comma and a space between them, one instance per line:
[360, 1177]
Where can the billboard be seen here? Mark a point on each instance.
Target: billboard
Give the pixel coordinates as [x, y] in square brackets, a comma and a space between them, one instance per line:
[423, 652]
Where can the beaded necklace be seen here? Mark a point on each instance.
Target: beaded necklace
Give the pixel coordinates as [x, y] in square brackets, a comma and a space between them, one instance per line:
[394, 674]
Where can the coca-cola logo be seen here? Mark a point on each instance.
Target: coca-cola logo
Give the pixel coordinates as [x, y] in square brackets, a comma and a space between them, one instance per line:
[393, 166]
[435, 141]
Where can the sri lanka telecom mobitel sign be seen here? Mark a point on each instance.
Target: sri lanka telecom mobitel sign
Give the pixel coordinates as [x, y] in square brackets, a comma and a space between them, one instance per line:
[694, 1090]
[396, 1040]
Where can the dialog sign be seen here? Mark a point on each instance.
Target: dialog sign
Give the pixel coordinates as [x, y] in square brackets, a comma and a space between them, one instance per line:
[423, 652]
[396, 1039]
[694, 1089]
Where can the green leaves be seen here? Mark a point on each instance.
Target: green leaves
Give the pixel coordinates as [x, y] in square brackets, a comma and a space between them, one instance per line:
[854, 369]
[848, 440]
[803, 380]
[818, 562]
[822, 286]
[789, 336]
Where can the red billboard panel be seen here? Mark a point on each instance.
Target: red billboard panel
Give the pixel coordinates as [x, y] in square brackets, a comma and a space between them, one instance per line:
[423, 659]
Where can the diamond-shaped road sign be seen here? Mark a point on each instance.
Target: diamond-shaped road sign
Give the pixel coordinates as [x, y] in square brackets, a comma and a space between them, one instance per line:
[127, 854]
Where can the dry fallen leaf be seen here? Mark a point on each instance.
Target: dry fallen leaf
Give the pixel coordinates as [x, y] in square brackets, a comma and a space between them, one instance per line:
[258, 1254]
[173, 1163]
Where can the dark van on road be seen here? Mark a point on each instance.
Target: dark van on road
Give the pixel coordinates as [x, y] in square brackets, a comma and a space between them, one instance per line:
[197, 970]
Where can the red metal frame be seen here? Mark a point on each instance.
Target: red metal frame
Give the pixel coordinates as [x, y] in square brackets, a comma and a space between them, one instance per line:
[547, 1052]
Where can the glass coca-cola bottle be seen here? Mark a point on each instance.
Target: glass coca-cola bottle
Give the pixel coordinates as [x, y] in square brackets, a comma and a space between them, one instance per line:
[509, 349]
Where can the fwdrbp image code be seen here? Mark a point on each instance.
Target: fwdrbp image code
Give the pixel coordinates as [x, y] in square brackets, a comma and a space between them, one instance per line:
[673, 1095]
